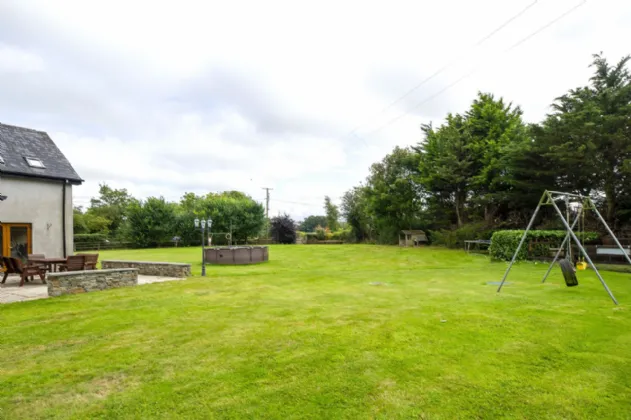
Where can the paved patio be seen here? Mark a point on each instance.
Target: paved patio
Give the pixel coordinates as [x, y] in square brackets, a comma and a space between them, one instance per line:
[11, 292]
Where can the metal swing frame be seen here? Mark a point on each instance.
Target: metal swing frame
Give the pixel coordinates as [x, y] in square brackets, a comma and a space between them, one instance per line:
[548, 199]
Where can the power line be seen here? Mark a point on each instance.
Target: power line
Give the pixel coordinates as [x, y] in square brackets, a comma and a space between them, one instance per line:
[461, 78]
[445, 67]
[295, 202]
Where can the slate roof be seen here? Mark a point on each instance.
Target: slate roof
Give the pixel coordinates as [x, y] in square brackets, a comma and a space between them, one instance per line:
[16, 143]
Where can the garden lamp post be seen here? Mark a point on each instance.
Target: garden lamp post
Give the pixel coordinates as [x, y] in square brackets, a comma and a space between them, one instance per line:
[202, 225]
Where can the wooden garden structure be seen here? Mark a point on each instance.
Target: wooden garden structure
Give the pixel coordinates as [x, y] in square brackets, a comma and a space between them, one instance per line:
[412, 238]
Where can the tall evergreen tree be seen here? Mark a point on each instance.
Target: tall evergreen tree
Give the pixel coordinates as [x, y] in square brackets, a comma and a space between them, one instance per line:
[588, 135]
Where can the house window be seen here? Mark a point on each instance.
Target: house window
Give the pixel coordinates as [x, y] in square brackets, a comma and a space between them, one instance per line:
[34, 163]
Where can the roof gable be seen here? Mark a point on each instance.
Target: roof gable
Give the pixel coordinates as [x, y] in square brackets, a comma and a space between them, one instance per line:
[18, 143]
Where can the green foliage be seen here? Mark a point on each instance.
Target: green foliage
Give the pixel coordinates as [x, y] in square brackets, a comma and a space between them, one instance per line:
[311, 222]
[332, 214]
[78, 223]
[393, 195]
[150, 222]
[464, 162]
[95, 223]
[89, 222]
[322, 233]
[345, 235]
[486, 165]
[153, 221]
[107, 212]
[90, 238]
[283, 229]
[504, 243]
[355, 209]
[588, 137]
[230, 211]
[454, 238]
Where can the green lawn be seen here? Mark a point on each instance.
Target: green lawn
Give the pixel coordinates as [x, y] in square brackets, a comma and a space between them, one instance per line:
[325, 332]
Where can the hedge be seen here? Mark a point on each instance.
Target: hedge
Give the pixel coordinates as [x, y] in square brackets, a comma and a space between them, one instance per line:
[505, 242]
[90, 238]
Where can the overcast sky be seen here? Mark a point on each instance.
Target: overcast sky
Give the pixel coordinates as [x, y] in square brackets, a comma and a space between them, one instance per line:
[162, 98]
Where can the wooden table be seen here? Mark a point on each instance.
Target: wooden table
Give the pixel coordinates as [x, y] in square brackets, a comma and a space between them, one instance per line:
[51, 263]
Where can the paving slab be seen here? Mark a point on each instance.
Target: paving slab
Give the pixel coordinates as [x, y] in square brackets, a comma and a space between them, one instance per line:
[12, 292]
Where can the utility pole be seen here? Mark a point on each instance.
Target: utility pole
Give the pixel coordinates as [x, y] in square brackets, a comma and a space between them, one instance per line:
[267, 201]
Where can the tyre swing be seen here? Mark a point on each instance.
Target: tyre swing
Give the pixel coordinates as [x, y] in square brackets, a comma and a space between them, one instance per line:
[569, 273]
[567, 268]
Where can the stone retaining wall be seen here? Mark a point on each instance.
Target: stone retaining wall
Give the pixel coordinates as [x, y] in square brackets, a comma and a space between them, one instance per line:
[151, 268]
[73, 282]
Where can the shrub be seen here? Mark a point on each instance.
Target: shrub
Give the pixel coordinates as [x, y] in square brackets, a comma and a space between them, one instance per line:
[283, 229]
[322, 234]
[505, 242]
[90, 238]
[443, 237]
[345, 235]
[455, 238]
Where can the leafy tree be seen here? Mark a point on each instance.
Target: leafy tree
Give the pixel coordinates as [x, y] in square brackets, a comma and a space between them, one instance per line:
[311, 222]
[493, 127]
[190, 202]
[447, 165]
[528, 173]
[78, 223]
[95, 223]
[283, 229]
[464, 162]
[112, 205]
[150, 222]
[394, 195]
[239, 212]
[355, 211]
[230, 210]
[485, 168]
[89, 222]
[332, 214]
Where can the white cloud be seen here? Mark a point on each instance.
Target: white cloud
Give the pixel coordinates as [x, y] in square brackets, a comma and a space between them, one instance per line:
[17, 60]
[168, 97]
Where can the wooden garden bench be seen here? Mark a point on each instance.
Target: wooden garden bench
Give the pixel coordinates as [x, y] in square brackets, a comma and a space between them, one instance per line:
[15, 266]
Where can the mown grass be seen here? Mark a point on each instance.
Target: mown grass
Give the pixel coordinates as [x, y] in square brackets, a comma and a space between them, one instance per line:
[325, 332]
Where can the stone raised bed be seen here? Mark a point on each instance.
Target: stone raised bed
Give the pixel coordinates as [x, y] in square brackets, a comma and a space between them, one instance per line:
[237, 255]
[151, 268]
[73, 282]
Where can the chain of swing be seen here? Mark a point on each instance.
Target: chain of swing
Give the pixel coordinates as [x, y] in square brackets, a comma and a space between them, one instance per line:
[580, 212]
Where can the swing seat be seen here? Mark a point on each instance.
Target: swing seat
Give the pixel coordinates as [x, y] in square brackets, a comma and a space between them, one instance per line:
[581, 265]
[569, 274]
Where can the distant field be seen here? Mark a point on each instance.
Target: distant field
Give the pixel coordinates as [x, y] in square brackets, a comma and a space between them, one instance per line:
[329, 332]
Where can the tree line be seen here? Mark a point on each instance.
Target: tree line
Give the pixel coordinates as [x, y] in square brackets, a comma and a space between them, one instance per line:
[486, 168]
[155, 221]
